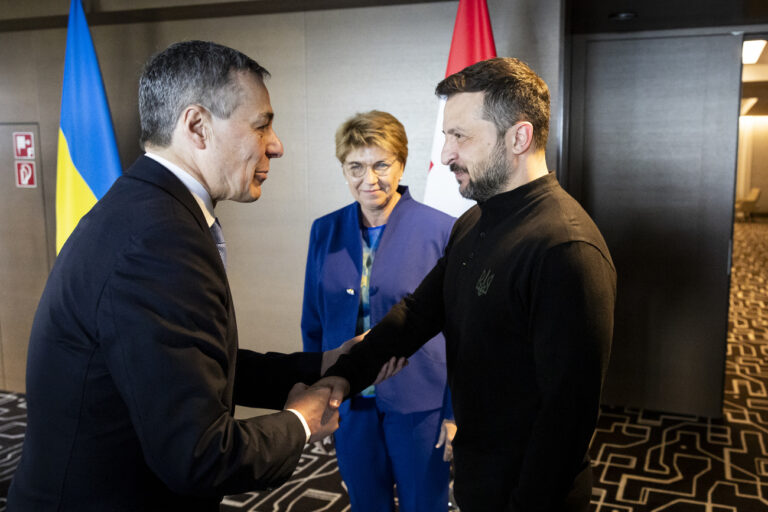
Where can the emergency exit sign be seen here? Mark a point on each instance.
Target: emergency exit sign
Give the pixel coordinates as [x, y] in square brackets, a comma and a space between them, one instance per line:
[24, 145]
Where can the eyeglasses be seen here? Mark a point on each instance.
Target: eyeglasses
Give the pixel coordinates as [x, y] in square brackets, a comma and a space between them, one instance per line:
[359, 169]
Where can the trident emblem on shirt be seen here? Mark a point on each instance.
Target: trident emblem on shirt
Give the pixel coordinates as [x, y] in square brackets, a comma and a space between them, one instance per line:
[484, 282]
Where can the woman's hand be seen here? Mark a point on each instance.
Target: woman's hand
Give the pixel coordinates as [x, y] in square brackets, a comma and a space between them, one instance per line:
[447, 433]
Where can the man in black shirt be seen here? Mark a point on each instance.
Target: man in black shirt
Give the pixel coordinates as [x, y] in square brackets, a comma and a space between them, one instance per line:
[524, 294]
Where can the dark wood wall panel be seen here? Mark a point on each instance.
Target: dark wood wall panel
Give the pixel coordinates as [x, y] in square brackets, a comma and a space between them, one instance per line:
[657, 123]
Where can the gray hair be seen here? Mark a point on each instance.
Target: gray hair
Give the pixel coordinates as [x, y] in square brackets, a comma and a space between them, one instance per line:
[189, 73]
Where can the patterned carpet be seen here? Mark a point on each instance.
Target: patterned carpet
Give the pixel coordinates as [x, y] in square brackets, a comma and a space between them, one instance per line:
[643, 461]
[13, 422]
[315, 486]
[647, 462]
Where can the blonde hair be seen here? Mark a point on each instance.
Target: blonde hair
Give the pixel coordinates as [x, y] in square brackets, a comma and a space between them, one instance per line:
[374, 128]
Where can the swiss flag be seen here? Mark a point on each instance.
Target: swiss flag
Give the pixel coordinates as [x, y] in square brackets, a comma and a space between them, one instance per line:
[472, 42]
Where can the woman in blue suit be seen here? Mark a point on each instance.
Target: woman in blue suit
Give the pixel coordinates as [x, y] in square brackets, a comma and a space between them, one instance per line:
[362, 260]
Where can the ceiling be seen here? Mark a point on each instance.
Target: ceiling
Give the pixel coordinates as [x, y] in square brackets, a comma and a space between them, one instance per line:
[595, 16]
[44, 14]
[602, 16]
[585, 16]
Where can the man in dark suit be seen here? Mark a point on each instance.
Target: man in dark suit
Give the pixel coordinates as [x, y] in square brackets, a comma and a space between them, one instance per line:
[134, 368]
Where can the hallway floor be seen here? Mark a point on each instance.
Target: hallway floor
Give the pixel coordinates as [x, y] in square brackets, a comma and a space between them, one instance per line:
[645, 461]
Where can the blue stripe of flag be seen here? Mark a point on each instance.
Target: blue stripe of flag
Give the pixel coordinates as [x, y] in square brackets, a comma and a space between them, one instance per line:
[85, 118]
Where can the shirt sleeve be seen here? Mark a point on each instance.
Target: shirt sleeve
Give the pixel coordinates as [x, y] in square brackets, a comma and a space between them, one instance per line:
[304, 424]
[264, 380]
[571, 325]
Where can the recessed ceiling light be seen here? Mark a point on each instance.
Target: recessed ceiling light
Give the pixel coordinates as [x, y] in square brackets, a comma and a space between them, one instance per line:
[623, 16]
[752, 50]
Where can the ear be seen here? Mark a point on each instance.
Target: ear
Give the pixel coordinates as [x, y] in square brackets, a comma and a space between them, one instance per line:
[194, 124]
[519, 137]
[402, 171]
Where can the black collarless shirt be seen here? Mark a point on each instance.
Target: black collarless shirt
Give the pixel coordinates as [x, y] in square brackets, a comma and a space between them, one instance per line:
[525, 295]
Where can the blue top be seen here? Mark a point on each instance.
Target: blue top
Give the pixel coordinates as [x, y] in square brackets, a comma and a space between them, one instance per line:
[371, 239]
[410, 246]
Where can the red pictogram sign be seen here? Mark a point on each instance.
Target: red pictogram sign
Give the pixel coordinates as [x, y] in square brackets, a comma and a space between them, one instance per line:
[25, 175]
[23, 145]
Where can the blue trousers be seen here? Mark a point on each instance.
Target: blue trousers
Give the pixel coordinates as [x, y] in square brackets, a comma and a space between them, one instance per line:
[377, 449]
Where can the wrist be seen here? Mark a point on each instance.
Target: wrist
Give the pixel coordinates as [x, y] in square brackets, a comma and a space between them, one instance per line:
[304, 424]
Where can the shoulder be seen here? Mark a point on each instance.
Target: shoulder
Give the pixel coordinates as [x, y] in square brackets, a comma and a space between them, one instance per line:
[137, 205]
[567, 218]
[563, 222]
[159, 227]
[336, 217]
[334, 228]
[130, 210]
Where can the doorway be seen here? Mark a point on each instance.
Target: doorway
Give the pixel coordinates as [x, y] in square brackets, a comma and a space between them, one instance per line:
[752, 168]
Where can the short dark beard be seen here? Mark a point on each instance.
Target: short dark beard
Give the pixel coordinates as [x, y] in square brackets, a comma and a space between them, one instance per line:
[492, 177]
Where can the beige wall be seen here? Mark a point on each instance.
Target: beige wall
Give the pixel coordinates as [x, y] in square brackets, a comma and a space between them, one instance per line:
[753, 159]
[325, 65]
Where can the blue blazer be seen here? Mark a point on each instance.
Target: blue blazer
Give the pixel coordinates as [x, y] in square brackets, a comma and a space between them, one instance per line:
[411, 244]
[133, 368]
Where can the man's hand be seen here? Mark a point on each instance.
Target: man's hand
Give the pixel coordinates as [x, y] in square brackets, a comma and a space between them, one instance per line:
[339, 386]
[447, 433]
[331, 356]
[312, 403]
[338, 389]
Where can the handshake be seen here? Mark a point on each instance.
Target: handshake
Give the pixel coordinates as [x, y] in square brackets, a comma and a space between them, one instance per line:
[319, 403]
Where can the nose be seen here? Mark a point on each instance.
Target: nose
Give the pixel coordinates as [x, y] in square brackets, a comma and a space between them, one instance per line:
[448, 153]
[274, 146]
[370, 175]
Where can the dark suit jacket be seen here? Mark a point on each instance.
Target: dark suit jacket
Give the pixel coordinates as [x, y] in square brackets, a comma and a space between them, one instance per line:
[134, 368]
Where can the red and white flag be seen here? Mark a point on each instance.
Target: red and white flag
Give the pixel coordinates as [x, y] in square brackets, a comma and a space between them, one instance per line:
[472, 42]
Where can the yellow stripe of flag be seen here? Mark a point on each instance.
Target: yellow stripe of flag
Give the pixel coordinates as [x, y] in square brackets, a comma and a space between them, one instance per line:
[73, 196]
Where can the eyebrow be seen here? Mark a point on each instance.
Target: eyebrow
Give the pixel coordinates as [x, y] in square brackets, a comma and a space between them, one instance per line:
[380, 160]
[264, 118]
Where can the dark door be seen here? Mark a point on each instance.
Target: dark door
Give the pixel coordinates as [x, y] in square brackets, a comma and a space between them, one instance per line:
[654, 132]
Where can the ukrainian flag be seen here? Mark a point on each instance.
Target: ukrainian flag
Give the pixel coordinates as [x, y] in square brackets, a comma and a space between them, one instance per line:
[88, 162]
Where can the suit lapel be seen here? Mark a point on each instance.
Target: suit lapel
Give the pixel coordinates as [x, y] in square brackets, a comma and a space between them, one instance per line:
[151, 171]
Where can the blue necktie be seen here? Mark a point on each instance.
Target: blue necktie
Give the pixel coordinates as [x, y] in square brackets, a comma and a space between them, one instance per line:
[218, 237]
